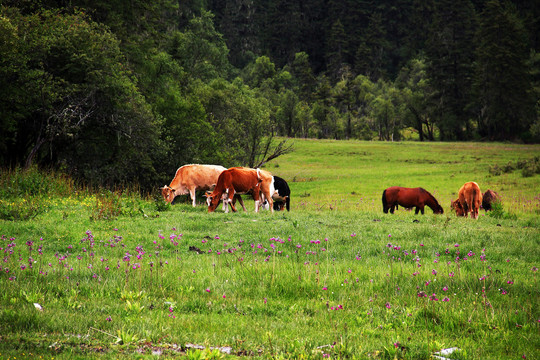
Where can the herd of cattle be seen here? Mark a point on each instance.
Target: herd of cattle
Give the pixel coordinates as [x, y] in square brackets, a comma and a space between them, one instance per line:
[272, 192]
[226, 185]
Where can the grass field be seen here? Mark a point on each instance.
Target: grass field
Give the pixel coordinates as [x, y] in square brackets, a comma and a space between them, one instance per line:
[333, 278]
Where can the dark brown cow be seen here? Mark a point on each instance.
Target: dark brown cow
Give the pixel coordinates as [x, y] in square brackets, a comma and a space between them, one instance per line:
[490, 197]
[240, 180]
[468, 201]
[409, 198]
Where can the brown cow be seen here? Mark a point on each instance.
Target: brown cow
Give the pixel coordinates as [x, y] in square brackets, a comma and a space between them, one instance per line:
[241, 180]
[456, 205]
[489, 198]
[191, 178]
[469, 200]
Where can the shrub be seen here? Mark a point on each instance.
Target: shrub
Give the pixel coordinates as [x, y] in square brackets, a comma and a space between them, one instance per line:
[33, 182]
[108, 206]
[497, 211]
[21, 209]
[160, 204]
[508, 167]
[495, 170]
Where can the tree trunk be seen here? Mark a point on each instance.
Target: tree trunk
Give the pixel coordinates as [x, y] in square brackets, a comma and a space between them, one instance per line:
[33, 152]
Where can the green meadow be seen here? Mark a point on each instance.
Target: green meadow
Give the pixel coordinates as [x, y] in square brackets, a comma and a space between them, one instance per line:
[100, 274]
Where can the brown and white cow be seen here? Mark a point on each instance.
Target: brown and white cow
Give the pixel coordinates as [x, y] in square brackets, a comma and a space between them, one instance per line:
[241, 180]
[468, 201]
[191, 178]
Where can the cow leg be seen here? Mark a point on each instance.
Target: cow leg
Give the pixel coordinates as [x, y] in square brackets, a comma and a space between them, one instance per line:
[268, 198]
[239, 198]
[193, 197]
[392, 209]
[225, 207]
[416, 210]
[257, 197]
[230, 198]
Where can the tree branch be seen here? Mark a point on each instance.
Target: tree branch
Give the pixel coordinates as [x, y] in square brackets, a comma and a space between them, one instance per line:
[281, 149]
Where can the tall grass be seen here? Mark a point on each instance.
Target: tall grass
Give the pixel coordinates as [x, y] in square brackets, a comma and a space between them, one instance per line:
[314, 283]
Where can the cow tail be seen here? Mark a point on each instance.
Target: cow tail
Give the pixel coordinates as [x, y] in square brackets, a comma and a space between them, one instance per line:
[473, 204]
[384, 202]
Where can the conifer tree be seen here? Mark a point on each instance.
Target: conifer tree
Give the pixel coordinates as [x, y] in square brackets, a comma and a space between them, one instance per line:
[502, 84]
[337, 50]
[450, 56]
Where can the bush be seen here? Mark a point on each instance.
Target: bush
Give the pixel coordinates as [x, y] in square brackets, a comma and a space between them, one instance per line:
[20, 209]
[160, 204]
[33, 182]
[497, 211]
[495, 170]
[528, 167]
[108, 206]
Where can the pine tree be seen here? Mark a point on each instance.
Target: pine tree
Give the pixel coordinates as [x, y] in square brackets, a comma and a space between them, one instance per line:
[371, 57]
[502, 84]
[337, 50]
[450, 56]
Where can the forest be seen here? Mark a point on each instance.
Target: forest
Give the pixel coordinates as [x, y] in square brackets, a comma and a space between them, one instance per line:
[115, 92]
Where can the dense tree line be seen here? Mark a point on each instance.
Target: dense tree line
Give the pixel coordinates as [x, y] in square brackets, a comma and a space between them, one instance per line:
[114, 91]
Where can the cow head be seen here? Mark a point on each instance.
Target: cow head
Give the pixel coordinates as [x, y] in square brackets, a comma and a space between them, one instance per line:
[168, 194]
[213, 201]
[208, 196]
[456, 205]
[279, 205]
[438, 209]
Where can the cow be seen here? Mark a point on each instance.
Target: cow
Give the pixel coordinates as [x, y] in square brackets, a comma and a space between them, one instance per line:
[468, 201]
[418, 198]
[241, 180]
[281, 196]
[489, 198]
[191, 178]
[456, 205]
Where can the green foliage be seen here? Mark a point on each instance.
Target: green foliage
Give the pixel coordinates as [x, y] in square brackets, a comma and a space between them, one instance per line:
[85, 109]
[498, 212]
[528, 167]
[116, 93]
[501, 64]
[200, 49]
[21, 209]
[33, 182]
[450, 55]
[108, 206]
[160, 204]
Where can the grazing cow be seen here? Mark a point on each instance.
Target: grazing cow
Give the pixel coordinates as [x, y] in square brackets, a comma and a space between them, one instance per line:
[489, 198]
[408, 198]
[282, 194]
[240, 180]
[456, 205]
[468, 201]
[191, 178]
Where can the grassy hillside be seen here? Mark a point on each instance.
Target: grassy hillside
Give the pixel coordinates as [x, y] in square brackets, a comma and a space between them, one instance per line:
[333, 278]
